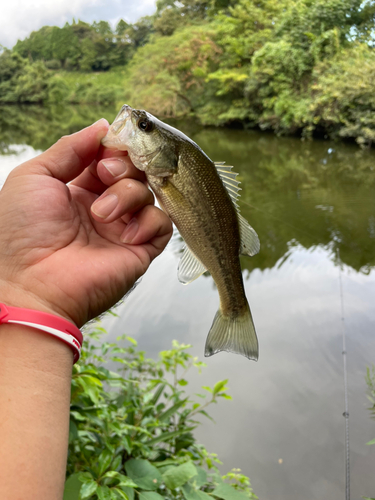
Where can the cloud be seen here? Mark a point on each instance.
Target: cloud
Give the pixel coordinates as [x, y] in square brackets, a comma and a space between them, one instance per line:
[20, 17]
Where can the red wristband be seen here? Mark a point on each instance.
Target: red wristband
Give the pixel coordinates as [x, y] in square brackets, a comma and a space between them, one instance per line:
[54, 325]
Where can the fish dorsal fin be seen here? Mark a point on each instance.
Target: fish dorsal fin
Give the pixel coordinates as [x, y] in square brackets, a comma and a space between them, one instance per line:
[189, 267]
[249, 239]
[229, 180]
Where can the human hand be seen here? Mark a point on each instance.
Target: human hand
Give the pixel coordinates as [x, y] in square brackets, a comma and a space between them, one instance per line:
[58, 251]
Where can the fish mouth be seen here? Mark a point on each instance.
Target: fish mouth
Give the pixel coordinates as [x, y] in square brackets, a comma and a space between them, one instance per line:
[120, 131]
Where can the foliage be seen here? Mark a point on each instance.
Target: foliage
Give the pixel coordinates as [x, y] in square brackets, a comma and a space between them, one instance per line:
[174, 69]
[271, 64]
[23, 82]
[345, 106]
[131, 430]
[79, 46]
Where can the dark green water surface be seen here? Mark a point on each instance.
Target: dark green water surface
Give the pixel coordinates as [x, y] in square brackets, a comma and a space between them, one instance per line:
[313, 207]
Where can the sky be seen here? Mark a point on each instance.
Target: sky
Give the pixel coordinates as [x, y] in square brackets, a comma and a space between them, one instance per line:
[18, 18]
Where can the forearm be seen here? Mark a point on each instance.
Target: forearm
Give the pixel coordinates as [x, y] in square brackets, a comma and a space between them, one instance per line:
[35, 375]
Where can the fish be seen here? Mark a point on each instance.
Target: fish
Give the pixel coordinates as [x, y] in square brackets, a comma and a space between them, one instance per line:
[200, 197]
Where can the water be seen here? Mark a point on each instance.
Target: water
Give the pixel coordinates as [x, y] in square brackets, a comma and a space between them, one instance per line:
[307, 201]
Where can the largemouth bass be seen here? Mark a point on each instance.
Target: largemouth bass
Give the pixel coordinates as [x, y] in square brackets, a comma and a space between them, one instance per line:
[200, 198]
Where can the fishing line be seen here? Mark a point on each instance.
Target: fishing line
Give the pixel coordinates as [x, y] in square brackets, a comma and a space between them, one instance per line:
[346, 412]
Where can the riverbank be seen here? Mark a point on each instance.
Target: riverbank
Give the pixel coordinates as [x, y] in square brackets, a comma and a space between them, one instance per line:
[297, 68]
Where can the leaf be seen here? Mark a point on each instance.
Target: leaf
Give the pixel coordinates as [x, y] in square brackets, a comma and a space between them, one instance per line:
[73, 431]
[177, 476]
[371, 442]
[110, 473]
[77, 415]
[227, 492]
[200, 478]
[191, 494]
[150, 495]
[104, 493]
[173, 409]
[116, 462]
[144, 474]
[72, 488]
[119, 494]
[85, 477]
[88, 489]
[104, 461]
[225, 396]
[126, 481]
[219, 386]
[129, 492]
[166, 436]
[157, 394]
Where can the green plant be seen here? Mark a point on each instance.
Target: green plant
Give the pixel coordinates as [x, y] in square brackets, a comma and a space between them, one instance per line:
[131, 429]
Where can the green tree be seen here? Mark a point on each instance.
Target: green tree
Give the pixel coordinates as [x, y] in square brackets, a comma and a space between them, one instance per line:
[103, 28]
[139, 32]
[175, 70]
[64, 44]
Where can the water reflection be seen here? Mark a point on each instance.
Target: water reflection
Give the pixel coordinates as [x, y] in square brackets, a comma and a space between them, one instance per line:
[41, 127]
[307, 201]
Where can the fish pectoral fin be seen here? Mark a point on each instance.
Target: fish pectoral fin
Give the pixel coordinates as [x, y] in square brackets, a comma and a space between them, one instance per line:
[250, 244]
[164, 163]
[235, 335]
[189, 267]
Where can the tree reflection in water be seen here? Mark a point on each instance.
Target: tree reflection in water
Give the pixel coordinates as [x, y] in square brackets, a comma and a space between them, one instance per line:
[317, 193]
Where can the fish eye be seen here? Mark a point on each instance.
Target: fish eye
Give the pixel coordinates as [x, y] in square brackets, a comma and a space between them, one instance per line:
[145, 125]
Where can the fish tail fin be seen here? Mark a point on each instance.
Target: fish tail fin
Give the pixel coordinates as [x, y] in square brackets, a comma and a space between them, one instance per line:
[235, 335]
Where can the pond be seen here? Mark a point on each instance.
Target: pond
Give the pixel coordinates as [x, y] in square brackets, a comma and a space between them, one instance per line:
[313, 207]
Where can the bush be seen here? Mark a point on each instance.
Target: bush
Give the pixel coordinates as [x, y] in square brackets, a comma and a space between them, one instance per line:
[131, 431]
[88, 92]
[53, 64]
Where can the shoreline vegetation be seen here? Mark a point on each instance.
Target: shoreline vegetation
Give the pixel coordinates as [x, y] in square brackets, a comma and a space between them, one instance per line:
[304, 68]
[131, 432]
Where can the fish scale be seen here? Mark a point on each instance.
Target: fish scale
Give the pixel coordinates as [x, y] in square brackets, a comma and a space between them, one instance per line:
[200, 198]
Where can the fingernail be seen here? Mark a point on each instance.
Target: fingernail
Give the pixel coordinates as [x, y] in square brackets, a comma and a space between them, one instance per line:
[115, 167]
[101, 120]
[130, 231]
[105, 206]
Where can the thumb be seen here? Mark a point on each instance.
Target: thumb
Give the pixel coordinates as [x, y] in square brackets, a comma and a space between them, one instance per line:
[71, 154]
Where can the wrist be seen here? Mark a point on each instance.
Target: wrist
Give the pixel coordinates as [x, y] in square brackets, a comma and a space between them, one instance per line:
[14, 295]
[51, 324]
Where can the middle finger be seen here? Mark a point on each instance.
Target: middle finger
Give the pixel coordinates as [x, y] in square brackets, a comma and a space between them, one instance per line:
[124, 197]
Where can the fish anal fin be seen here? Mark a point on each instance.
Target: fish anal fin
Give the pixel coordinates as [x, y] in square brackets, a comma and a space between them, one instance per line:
[189, 267]
[235, 335]
[250, 244]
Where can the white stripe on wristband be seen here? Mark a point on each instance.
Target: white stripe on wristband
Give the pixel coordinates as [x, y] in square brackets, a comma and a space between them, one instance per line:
[59, 327]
